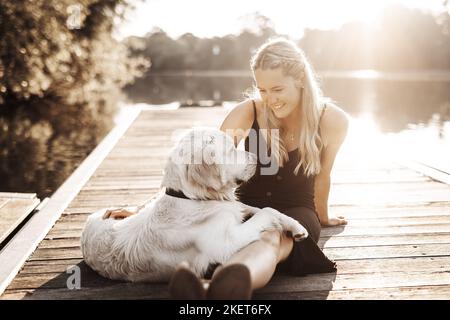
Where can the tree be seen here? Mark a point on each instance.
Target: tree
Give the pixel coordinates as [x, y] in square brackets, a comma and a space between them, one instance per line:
[60, 72]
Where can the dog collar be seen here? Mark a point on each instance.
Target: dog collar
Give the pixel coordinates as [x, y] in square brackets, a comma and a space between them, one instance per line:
[176, 193]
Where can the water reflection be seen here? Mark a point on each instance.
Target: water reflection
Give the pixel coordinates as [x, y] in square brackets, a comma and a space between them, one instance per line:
[39, 152]
[167, 89]
[393, 103]
[400, 114]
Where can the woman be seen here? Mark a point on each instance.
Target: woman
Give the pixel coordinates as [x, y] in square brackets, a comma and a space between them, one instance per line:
[310, 133]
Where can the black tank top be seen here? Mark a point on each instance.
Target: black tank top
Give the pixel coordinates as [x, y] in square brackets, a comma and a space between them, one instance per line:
[281, 190]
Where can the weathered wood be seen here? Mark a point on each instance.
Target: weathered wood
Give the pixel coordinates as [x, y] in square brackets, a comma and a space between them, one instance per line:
[378, 240]
[360, 252]
[400, 210]
[3, 201]
[65, 232]
[317, 282]
[148, 291]
[396, 243]
[76, 219]
[327, 242]
[382, 230]
[123, 291]
[14, 255]
[389, 193]
[438, 292]
[405, 264]
[16, 195]
[14, 211]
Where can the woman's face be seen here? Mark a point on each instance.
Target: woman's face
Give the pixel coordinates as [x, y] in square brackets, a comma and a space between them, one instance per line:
[279, 92]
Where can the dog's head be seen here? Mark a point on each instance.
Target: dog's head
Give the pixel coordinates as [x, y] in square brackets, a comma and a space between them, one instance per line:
[205, 164]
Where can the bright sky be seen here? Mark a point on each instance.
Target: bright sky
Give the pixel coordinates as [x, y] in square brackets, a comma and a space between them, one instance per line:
[209, 18]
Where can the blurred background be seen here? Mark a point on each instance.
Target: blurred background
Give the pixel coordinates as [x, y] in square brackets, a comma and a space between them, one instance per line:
[67, 67]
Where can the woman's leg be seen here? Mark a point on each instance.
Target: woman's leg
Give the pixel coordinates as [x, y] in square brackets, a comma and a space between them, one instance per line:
[261, 257]
[306, 256]
[307, 218]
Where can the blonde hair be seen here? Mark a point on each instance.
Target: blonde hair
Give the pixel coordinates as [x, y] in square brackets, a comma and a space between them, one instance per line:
[285, 54]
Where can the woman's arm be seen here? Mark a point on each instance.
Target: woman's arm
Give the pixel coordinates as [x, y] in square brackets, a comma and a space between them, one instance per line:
[334, 125]
[238, 122]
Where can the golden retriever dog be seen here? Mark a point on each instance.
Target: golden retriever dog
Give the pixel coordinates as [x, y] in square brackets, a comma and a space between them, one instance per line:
[197, 219]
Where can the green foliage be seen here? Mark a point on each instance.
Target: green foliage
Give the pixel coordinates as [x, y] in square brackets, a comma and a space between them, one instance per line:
[62, 48]
[61, 74]
[191, 52]
[402, 39]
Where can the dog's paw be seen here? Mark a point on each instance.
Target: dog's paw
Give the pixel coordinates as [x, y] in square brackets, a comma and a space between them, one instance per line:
[300, 234]
[298, 231]
[267, 221]
[288, 224]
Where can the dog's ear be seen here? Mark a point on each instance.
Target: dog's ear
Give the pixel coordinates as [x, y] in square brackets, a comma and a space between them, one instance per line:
[204, 175]
[173, 169]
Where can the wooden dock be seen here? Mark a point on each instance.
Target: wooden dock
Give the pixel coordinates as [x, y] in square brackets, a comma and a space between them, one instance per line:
[14, 210]
[395, 246]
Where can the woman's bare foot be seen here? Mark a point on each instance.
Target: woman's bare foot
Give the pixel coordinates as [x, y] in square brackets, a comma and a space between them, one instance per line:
[185, 285]
[232, 282]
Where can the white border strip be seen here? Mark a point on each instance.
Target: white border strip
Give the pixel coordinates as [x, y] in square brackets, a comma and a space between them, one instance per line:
[23, 244]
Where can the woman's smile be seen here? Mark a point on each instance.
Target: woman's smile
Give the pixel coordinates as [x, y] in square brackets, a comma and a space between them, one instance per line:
[278, 106]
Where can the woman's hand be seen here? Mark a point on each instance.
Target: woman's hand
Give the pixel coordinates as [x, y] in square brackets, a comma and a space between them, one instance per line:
[117, 214]
[334, 221]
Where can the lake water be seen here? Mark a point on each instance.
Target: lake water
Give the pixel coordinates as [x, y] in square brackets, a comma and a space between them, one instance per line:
[411, 107]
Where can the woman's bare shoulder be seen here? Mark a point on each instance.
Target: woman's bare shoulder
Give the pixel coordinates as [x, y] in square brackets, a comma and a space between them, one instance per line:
[333, 123]
[240, 117]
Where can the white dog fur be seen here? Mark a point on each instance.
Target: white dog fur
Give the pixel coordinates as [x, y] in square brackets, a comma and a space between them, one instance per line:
[209, 227]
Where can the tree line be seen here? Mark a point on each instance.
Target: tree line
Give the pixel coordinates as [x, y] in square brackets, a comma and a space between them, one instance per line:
[402, 39]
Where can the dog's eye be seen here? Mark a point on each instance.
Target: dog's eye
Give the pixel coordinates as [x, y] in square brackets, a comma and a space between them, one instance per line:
[213, 154]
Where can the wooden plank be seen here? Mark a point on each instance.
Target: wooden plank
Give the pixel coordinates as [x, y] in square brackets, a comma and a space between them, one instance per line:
[405, 264]
[16, 195]
[335, 232]
[340, 231]
[359, 252]
[13, 213]
[436, 174]
[148, 291]
[380, 212]
[123, 291]
[316, 282]
[389, 221]
[382, 230]
[438, 292]
[327, 242]
[397, 240]
[385, 251]
[41, 267]
[389, 193]
[374, 280]
[24, 243]
[3, 201]
[379, 240]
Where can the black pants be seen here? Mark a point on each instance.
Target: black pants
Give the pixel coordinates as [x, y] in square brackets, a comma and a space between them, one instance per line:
[306, 257]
